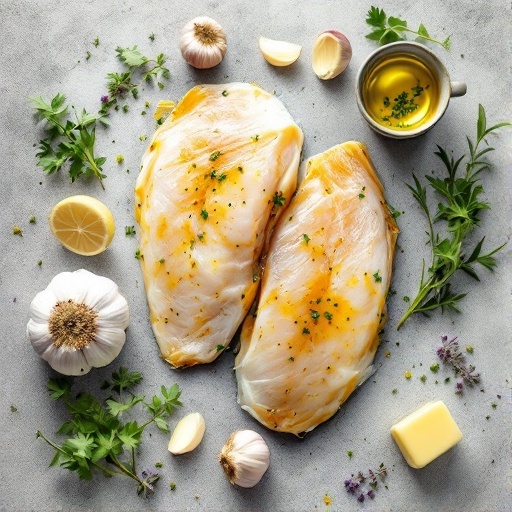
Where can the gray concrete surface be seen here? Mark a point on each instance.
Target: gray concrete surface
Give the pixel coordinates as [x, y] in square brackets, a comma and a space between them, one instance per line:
[43, 51]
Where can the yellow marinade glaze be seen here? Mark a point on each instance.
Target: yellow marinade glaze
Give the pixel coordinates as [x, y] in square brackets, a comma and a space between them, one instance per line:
[426, 434]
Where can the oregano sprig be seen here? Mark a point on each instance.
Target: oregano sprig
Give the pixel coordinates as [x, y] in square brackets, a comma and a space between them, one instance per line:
[97, 438]
[459, 208]
[390, 29]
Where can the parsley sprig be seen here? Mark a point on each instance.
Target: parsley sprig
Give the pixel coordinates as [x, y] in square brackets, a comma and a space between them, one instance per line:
[459, 208]
[69, 140]
[146, 69]
[98, 440]
[390, 29]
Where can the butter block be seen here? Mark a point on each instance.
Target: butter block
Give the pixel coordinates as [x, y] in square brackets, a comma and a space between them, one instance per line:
[426, 434]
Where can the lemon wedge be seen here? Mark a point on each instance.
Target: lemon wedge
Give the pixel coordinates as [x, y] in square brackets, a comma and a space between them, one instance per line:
[82, 224]
[279, 53]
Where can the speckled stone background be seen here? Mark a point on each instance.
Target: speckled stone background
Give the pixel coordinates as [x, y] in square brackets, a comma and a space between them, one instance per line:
[43, 48]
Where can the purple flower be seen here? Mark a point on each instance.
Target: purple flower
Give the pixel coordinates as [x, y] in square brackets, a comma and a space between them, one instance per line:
[351, 485]
[104, 99]
[451, 354]
[364, 485]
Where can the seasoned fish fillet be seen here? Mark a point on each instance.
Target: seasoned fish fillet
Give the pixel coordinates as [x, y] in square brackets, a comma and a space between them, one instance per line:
[213, 182]
[314, 334]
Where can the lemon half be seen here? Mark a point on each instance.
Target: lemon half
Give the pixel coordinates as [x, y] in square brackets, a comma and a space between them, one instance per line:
[82, 224]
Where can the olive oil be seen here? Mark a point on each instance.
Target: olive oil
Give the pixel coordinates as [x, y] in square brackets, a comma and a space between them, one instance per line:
[401, 93]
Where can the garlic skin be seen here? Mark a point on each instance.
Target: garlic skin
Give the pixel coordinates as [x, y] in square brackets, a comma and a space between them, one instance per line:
[245, 458]
[203, 43]
[78, 322]
[332, 53]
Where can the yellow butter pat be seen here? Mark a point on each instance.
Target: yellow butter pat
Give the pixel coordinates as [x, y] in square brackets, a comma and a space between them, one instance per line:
[426, 434]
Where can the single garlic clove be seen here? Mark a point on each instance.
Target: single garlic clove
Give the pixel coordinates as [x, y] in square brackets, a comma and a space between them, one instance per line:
[203, 42]
[331, 54]
[279, 53]
[187, 434]
[245, 458]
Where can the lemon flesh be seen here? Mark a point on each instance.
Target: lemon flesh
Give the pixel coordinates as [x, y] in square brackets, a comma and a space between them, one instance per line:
[82, 224]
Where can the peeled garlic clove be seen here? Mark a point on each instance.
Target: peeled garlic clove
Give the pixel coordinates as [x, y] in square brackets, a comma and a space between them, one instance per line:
[203, 42]
[331, 54]
[279, 53]
[187, 435]
[245, 458]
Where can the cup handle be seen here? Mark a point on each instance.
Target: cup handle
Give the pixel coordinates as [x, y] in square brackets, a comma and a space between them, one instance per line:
[458, 89]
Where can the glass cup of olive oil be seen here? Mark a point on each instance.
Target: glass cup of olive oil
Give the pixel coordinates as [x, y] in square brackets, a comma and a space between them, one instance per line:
[403, 89]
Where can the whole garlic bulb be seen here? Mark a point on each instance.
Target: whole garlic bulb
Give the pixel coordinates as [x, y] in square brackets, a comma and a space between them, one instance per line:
[78, 322]
[203, 42]
[245, 458]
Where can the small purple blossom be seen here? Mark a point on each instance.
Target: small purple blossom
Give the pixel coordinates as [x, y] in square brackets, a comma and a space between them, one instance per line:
[449, 353]
[146, 485]
[351, 485]
[364, 485]
[104, 99]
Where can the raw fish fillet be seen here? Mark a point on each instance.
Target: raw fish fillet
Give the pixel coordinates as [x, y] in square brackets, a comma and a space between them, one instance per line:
[213, 182]
[322, 302]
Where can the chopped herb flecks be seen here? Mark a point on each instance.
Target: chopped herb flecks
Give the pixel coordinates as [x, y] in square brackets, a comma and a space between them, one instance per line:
[278, 199]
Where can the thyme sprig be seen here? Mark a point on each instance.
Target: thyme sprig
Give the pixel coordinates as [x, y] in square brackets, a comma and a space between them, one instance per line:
[459, 208]
[98, 441]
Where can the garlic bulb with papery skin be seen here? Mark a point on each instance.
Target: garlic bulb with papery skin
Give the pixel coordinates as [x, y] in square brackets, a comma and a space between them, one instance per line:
[245, 458]
[203, 42]
[331, 54]
[78, 322]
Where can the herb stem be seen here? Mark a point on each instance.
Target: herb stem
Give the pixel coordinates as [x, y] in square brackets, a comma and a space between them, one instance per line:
[51, 443]
[123, 468]
[424, 36]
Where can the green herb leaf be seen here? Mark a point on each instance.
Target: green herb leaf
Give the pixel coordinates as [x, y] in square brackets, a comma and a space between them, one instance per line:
[97, 438]
[131, 57]
[59, 387]
[139, 68]
[387, 30]
[68, 141]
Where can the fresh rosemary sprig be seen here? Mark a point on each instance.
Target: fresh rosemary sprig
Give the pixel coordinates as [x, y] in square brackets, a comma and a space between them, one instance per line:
[68, 140]
[459, 207]
[390, 29]
[97, 438]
